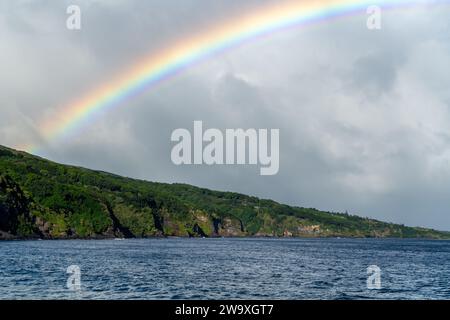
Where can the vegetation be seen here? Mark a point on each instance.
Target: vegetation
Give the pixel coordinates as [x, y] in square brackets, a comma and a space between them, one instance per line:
[40, 198]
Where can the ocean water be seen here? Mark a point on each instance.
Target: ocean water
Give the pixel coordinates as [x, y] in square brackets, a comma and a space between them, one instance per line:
[225, 269]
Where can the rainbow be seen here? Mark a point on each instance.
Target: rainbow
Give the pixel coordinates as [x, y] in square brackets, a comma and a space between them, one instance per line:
[187, 52]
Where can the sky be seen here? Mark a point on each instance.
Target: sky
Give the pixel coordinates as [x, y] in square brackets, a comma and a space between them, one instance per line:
[364, 115]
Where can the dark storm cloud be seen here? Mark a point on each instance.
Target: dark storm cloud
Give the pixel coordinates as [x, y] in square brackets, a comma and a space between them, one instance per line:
[363, 115]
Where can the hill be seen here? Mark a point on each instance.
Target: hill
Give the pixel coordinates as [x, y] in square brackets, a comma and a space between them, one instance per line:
[43, 199]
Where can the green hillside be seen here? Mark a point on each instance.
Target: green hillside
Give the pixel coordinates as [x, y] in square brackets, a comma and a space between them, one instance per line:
[43, 199]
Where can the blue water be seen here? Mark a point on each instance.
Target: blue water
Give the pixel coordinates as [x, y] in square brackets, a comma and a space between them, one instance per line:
[225, 269]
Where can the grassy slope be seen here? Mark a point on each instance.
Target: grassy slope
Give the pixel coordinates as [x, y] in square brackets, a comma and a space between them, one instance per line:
[40, 198]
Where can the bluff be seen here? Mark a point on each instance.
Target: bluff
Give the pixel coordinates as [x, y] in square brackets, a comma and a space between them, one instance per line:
[43, 199]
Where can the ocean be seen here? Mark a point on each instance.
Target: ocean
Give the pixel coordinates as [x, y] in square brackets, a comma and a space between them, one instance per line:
[224, 268]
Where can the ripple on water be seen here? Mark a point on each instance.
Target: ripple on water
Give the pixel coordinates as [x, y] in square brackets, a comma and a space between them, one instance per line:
[225, 269]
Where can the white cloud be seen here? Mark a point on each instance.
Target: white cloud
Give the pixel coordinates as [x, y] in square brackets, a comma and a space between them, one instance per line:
[363, 115]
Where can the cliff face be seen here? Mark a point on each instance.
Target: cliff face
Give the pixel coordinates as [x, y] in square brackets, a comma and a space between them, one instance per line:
[15, 218]
[39, 198]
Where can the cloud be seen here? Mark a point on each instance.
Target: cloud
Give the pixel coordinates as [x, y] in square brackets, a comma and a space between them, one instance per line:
[363, 115]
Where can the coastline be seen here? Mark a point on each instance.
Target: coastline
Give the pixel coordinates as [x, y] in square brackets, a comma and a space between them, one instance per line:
[219, 237]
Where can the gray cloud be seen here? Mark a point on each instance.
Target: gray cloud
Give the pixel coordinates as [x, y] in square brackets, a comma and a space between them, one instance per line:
[363, 115]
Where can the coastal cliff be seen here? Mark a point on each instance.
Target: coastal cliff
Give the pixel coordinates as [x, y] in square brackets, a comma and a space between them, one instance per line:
[43, 199]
